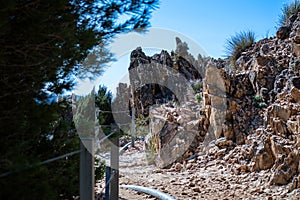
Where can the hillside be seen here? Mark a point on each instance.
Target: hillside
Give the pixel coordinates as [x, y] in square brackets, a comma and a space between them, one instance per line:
[245, 120]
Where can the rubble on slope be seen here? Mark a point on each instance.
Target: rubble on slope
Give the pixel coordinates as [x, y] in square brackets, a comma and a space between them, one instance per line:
[251, 117]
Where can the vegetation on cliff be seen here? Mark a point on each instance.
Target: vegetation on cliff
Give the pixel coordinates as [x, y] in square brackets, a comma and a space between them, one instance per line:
[287, 11]
[238, 43]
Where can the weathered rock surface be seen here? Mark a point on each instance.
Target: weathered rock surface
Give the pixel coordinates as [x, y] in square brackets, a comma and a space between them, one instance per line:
[160, 78]
[249, 117]
[173, 134]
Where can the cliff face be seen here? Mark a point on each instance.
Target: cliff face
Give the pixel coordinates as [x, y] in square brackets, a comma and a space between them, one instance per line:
[250, 118]
[263, 112]
[155, 79]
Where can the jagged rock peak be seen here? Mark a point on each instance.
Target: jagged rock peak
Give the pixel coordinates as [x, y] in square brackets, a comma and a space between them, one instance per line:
[261, 125]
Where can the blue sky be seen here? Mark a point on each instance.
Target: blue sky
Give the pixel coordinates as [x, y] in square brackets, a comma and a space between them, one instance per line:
[206, 23]
[211, 22]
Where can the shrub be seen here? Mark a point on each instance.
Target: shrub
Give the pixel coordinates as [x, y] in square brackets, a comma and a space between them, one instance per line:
[287, 11]
[259, 102]
[99, 169]
[262, 104]
[199, 98]
[197, 86]
[257, 98]
[238, 43]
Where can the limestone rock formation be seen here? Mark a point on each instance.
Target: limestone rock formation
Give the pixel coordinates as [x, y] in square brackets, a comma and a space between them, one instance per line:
[157, 79]
[249, 117]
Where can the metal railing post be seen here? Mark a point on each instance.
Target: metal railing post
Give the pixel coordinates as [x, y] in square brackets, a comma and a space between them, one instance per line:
[107, 182]
[114, 164]
[87, 172]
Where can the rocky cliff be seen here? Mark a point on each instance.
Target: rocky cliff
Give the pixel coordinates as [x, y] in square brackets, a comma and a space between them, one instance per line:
[248, 117]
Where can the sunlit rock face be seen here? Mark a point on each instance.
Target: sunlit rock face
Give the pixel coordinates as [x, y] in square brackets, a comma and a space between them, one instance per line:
[250, 118]
[154, 79]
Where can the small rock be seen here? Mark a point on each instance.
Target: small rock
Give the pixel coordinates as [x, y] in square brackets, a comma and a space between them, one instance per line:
[283, 32]
[173, 180]
[196, 189]
[151, 180]
[158, 171]
[189, 166]
[221, 152]
[264, 49]
[222, 142]
[295, 92]
[184, 193]
[192, 184]
[296, 39]
[178, 167]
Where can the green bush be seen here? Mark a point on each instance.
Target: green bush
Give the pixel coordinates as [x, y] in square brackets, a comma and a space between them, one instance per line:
[262, 104]
[238, 43]
[257, 98]
[287, 11]
[199, 98]
[259, 102]
[197, 86]
[99, 169]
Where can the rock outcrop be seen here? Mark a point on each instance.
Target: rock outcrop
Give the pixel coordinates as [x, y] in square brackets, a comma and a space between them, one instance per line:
[263, 110]
[157, 79]
[249, 117]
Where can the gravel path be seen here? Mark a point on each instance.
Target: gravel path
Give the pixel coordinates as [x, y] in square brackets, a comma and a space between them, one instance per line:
[200, 178]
